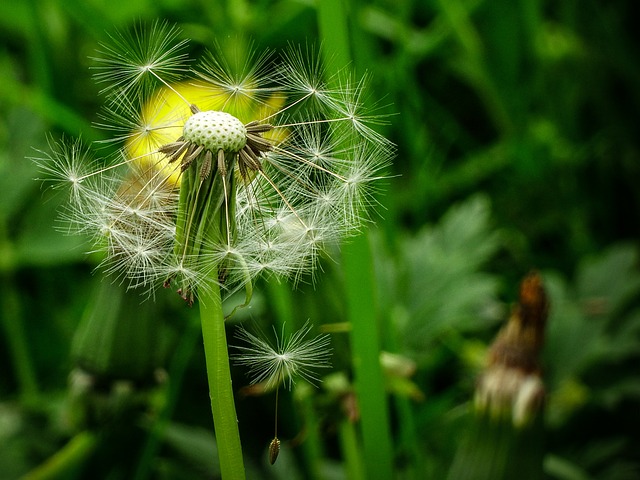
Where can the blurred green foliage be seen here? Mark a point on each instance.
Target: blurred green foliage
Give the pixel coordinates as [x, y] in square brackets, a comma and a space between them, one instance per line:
[516, 126]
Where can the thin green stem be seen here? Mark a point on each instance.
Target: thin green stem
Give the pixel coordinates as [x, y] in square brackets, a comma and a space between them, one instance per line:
[313, 446]
[17, 342]
[350, 449]
[275, 420]
[170, 399]
[458, 17]
[223, 407]
[66, 460]
[282, 305]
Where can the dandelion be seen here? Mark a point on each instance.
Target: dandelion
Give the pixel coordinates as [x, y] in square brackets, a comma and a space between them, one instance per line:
[256, 172]
[223, 171]
[289, 358]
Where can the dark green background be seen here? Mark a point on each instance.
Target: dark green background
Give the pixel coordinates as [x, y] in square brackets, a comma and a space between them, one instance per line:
[516, 124]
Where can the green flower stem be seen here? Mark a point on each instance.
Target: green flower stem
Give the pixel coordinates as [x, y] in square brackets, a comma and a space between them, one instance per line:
[360, 288]
[17, 342]
[223, 407]
[458, 17]
[365, 344]
[332, 22]
[283, 305]
[170, 395]
[66, 460]
[313, 446]
[350, 449]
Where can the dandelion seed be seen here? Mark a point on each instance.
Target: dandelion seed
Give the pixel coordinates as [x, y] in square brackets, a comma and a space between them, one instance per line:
[245, 168]
[129, 64]
[68, 164]
[274, 450]
[289, 358]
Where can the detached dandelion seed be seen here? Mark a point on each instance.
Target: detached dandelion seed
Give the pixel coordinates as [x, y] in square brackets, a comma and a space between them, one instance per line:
[274, 450]
[272, 365]
[290, 358]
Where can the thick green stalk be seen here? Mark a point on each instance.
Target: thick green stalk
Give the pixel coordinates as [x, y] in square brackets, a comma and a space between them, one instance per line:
[219, 376]
[360, 288]
[205, 218]
[334, 32]
[365, 344]
[457, 15]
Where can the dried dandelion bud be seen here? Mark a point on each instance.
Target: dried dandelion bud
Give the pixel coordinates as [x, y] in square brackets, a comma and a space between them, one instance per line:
[505, 435]
[511, 384]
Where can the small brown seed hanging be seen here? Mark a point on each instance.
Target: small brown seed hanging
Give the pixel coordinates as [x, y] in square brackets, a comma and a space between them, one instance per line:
[274, 450]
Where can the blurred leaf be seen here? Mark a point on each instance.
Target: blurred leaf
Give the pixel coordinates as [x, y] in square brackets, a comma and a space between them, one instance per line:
[196, 446]
[27, 215]
[563, 469]
[109, 344]
[570, 339]
[14, 451]
[442, 287]
[583, 328]
[17, 172]
[607, 281]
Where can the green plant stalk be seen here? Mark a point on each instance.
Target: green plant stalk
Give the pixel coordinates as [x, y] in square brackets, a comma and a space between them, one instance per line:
[67, 459]
[282, 304]
[350, 448]
[17, 342]
[223, 408]
[205, 217]
[458, 18]
[170, 396]
[40, 55]
[334, 32]
[360, 288]
[365, 344]
[312, 447]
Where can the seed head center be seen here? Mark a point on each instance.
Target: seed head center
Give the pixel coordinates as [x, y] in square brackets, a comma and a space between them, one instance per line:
[215, 130]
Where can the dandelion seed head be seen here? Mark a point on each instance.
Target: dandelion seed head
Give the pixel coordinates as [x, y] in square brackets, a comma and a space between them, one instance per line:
[243, 166]
[216, 130]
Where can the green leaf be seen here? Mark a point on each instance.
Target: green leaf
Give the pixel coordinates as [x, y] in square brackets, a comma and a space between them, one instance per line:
[195, 446]
[445, 289]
